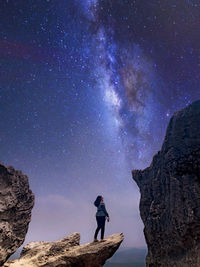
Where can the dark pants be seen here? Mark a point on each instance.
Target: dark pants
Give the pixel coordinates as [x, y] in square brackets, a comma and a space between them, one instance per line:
[100, 225]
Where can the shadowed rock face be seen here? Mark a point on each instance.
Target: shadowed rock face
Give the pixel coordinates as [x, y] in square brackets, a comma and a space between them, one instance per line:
[67, 252]
[170, 194]
[16, 203]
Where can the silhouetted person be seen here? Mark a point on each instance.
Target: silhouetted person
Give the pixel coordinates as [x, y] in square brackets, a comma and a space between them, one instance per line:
[101, 215]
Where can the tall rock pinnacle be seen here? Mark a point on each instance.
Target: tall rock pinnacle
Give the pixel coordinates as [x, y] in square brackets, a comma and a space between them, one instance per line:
[16, 203]
[170, 194]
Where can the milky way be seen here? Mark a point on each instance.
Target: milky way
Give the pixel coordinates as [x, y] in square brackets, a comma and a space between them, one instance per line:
[129, 84]
[87, 89]
[133, 84]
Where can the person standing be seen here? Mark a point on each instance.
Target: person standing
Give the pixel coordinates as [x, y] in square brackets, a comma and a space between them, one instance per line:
[101, 215]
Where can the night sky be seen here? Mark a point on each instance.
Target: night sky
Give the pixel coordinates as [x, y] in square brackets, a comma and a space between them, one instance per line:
[87, 89]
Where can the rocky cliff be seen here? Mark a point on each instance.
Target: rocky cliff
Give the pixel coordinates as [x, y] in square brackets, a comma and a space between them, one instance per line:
[16, 202]
[170, 194]
[67, 252]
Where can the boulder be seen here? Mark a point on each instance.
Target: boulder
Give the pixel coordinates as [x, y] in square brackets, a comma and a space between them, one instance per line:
[170, 194]
[67, 252]
[16, 203]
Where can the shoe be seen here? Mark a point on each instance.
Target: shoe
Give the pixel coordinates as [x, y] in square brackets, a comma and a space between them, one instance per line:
[95, 240]
[102, 240]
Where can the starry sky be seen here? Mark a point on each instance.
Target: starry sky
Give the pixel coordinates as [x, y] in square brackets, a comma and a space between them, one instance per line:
[87, 88]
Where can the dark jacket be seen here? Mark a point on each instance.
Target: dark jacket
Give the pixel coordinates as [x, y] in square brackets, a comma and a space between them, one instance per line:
[101, 210]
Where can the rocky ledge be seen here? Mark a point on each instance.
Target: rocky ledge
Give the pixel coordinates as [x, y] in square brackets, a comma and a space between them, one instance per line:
[67, 252]
[170, 194]
[16, 203]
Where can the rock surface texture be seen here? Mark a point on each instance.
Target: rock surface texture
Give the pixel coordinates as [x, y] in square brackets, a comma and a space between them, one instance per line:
[67, 252]
[170, 194]
[16, 203]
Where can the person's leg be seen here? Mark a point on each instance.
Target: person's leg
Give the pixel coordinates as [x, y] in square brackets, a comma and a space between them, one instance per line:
[103, 227]
[98, 227]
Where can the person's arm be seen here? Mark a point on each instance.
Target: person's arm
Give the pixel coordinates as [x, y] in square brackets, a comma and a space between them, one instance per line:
[104, 209]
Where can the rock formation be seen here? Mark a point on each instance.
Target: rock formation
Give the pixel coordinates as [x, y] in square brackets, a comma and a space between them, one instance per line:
[170, 194]
[67, 252]
[16, 202]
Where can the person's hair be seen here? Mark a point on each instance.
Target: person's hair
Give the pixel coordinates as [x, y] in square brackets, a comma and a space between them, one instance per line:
[97, 201]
